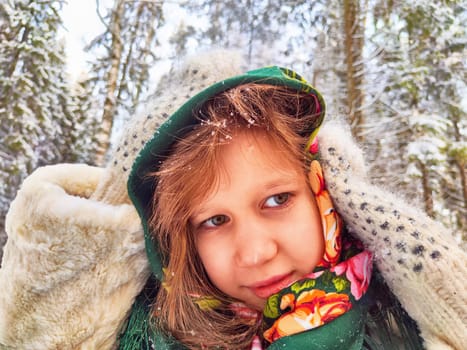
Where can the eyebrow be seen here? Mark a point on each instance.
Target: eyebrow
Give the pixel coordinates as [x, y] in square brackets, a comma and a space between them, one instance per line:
[280, 182]
[286, 179]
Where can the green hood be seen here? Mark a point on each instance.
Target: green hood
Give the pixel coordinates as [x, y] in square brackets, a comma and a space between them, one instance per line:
[141, 190]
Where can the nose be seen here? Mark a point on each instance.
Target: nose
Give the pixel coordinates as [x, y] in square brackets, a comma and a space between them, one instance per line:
[255, 244]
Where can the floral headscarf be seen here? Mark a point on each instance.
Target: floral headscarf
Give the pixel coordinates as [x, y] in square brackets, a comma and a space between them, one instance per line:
[334, 287]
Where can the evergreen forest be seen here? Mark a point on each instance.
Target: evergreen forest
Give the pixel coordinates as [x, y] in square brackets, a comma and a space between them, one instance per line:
[394, 70]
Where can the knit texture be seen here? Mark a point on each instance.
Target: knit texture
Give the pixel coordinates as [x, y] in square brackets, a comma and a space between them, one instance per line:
[418, 258]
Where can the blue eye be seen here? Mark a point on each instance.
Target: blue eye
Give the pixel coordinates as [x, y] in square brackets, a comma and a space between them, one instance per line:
[277, 200]
[215, 221]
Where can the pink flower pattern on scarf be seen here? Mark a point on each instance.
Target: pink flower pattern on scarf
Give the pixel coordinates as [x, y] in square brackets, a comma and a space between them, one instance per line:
[358, 270]
[310, 306]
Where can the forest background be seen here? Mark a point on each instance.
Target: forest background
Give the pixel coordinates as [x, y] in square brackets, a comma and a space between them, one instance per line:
[395, 70]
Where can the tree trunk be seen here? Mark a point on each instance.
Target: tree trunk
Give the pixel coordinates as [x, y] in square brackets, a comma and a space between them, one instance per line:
[129, 53]
[111, 86]
[354, 24]
[151, 32]
[427, 190]
[461, 166]
[463, 180]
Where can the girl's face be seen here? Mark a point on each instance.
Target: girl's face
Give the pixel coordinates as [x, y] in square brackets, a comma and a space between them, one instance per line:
[260, 230]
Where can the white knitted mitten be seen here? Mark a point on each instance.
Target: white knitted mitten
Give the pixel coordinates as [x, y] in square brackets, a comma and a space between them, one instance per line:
[418, 258]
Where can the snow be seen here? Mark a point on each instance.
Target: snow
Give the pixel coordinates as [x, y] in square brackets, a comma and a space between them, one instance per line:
[408, 84]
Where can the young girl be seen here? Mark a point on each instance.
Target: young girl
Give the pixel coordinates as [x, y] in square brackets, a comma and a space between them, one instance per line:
[245, 247]
[252, 249]
[240, 213]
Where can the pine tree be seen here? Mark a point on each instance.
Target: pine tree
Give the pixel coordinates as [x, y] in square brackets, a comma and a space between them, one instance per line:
[420, 108]
[33, 92]
[30, 94]
[34, 97]
[84, 131]
[259, 28]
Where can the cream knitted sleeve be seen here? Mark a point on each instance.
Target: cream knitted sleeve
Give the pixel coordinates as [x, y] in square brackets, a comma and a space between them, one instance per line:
[419, 259]
[72, 265]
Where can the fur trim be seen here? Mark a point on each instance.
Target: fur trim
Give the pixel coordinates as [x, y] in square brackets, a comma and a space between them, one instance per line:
[418, 258]
[72, 266]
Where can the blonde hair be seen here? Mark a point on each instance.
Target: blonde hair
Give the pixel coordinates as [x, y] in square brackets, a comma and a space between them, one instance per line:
[187, 176]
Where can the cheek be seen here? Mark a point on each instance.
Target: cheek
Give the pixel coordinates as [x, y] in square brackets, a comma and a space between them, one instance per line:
[310, 239]
[214, 256]
[309, 244]
[317, 231]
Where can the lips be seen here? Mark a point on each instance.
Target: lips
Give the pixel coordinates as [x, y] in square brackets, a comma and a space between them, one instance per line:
[270, 286]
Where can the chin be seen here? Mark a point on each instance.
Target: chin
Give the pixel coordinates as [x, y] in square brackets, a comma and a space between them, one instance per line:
[257, 305]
